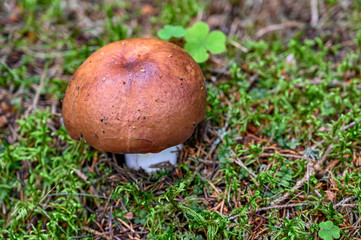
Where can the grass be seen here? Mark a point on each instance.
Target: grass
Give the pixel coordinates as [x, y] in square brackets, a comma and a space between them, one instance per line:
[278, 156]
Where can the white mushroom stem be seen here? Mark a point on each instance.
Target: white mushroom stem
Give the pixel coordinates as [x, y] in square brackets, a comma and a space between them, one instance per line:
[151, 162]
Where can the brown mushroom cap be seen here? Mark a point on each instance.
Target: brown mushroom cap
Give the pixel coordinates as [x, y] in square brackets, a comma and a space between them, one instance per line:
[135, 96]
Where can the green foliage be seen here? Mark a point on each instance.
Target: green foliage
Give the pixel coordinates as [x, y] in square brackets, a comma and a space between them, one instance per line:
[285, 175]
[199, 41]
[329, 231]
[293, 229]
[170, 31]
[46, 167]
[179, 12]
[115, 31]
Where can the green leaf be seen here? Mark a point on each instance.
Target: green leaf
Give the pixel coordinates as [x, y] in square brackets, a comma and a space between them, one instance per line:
[325, 234]
[199, 41]
[197, 33]
[170, 31]
[335, 231]
[175, 31]
[326, 225]
[197, 51]
[164, 34]
[216, 42]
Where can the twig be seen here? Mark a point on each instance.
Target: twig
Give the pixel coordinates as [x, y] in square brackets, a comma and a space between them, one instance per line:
[125, 224]
[239, 46]
[253, 175]
[278, 27]
[349, 205]
[41, 200]
[46, 195]
[329, 148]
[342, 203]
[314, 13]
[220, 134]
[285, 155]
[311, 168]
[81, 194]
[350, 125]
[273, 207]
[295, 205]
[53, 54]
[97, 233]
[81, 175]
[355, 227]
[212, 185]
[110, 222]
[299, 184]
[240, 160]
[280, 207]
[326, 153]
[106, 207]
[40, 87]
[333, 83]
[10, 70]
[80, 237]
[123, 206]
[318, 81]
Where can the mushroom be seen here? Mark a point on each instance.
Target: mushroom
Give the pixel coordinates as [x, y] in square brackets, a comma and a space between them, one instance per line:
[139, 97]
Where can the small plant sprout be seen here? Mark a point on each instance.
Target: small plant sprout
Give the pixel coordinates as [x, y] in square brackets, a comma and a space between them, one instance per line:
[329, 231]
[199, 41]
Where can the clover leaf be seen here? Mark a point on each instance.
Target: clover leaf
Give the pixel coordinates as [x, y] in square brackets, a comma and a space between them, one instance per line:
[170, 31]
[215, 42]
[197, 33]
[329, 231]
[199, 41]
[198, 53]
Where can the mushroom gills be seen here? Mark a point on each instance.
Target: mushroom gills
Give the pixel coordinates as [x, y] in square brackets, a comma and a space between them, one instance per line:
[151, 162]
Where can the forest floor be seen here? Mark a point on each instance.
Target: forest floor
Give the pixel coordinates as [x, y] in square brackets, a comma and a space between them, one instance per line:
[278, 157]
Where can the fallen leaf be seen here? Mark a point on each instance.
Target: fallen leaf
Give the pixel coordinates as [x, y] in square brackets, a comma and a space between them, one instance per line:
[3, 121]
[147, 9]
[331, 196]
